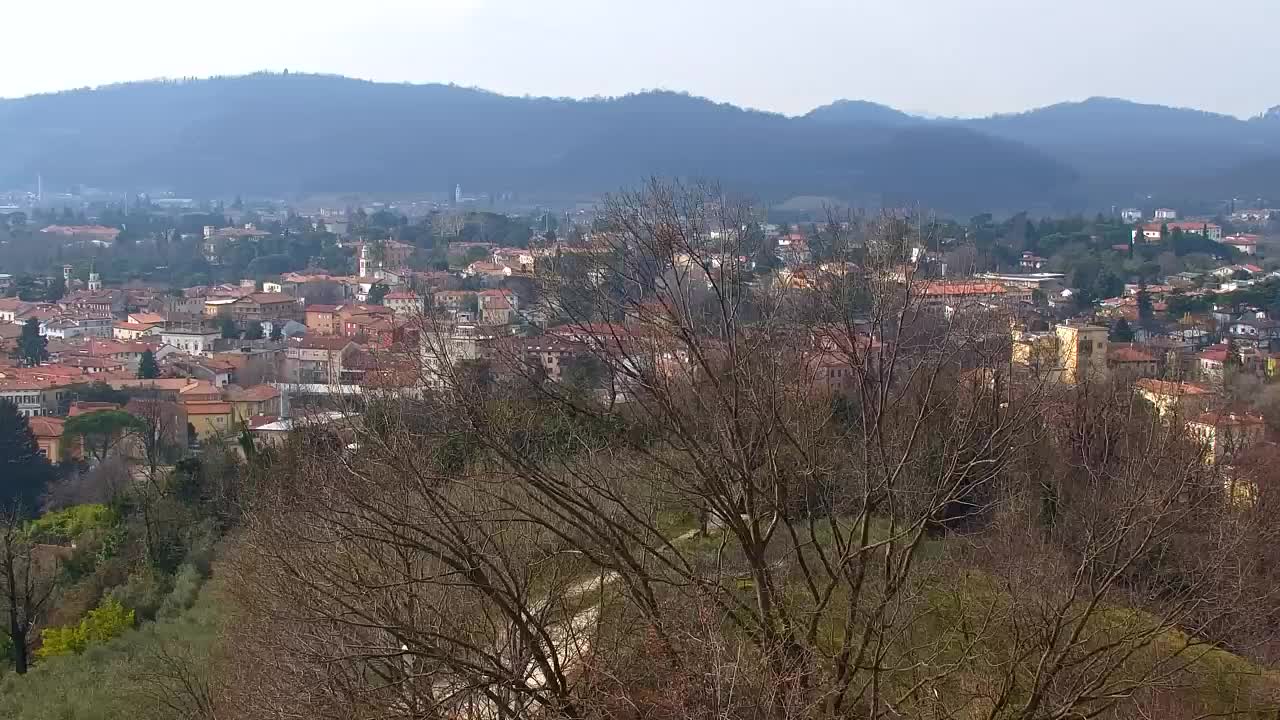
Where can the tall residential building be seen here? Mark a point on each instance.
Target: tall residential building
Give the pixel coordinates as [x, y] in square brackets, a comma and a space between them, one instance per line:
[1082, 351]
[457, 193]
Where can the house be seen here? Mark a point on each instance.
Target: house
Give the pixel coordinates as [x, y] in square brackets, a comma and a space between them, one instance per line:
[218, 306]
[1131, 361]
[1031, 261]
[26, 395]
[253, 400]
[1154, 231]
[125, 330]
[322, 319]
[11, 308]
[195, 342]
[519, 260]
[316, 359]
[405, 303]
[1211, 362]
[1247, 244]
[1129, 216]
[74, 324]
[484, 268]
[101, 302]
[1185, 398]
[498, 307]
[1165, 214]
[48, 432]
[1254, 332]
[256, 307]
[1226, 435]
[1227, 271]
[455, 301]
[209, 418]
[354, 320]
[217, 373]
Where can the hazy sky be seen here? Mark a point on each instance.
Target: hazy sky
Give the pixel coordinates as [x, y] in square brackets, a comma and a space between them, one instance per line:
[953, 57]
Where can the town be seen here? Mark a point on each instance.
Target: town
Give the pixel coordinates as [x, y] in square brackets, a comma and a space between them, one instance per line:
[1186, 310]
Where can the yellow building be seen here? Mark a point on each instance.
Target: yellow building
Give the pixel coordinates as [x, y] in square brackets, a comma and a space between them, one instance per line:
[1188, 399]
[1082, 351]
[1226, 435]
[1035, 350]
[251, 401]
[209, 419]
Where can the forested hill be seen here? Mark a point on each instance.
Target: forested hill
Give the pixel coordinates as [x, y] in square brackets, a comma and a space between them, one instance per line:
[304, 133]
[291, 133]
[1123, 149]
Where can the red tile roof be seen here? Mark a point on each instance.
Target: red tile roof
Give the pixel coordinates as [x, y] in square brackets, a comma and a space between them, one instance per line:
[1177, 389]
[1217, 419]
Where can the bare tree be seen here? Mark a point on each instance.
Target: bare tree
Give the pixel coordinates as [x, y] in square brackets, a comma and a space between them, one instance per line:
[824, 492]
[28, 574]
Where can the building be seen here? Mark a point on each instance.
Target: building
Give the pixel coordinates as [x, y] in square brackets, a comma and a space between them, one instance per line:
[1154, 231]
[254, 400]
[317, 359]
[125, 330]
[195, 342]
[1082, 351]
[1226, 435]
[1247, 244]
[1131, 216]
[256, 307]
[1031, 281]
[1165, 214]
[498, 307]
[79, 324]
[405, 303]
[209, 418]
[1131, 361]
[1211, 363]
[1031, 261]
[28, 396]
[322, 319]
[376, 257]
[1187, 399]
[48, 432]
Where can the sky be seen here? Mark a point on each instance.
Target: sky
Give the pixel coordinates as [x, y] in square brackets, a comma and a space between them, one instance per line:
[945, 57]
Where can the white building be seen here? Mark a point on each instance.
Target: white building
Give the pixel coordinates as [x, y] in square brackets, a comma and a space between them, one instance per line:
[1166, 214]
[196, 342]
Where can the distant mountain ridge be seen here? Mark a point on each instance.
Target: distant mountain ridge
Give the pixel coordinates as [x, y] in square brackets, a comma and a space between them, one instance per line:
[296, 133]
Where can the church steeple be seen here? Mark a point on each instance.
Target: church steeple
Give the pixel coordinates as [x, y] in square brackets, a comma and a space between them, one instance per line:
[95, 284]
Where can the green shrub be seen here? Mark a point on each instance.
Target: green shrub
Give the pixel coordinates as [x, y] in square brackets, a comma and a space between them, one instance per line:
[186, 588]
[110, 619]
[143, 593]
[66, 525]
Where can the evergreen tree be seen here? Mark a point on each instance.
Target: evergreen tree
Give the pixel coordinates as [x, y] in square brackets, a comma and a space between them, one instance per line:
[1234, 360]
[55, 290]
[377, 292]
[277, 331]
[148, 369]
[1146, 311]
[24, 472]
[254, 331]
[33, 348]
[1121, 332]
[229, 329]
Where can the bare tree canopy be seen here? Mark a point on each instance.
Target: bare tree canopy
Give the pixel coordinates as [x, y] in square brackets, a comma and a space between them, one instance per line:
[745, 493]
